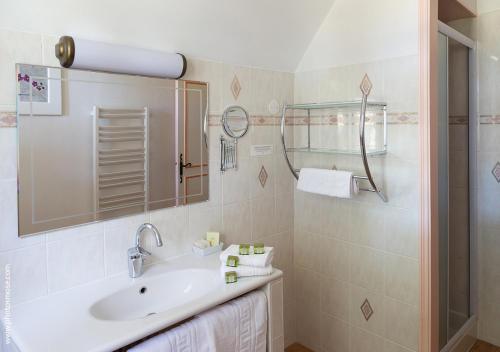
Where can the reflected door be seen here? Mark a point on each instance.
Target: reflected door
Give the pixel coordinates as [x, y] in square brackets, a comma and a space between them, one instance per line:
[193, 157]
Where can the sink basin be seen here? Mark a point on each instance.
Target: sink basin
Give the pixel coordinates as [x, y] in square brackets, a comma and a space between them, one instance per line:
[156, 295]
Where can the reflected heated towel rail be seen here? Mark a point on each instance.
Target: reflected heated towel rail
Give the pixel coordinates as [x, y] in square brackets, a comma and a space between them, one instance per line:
[120, 158]
[365, 87]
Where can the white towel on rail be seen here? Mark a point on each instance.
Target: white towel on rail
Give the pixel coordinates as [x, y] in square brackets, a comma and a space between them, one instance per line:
[331, 183]
[256, 260]
[239, 325]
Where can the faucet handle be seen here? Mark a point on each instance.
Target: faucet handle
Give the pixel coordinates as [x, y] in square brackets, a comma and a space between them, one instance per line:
[143, 252]
[137, 253]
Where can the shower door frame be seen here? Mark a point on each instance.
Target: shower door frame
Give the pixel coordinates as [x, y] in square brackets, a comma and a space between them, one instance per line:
[429, 28]
[451, 33]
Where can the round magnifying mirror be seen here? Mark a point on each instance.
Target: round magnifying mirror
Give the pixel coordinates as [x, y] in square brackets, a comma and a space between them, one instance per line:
[235, 121]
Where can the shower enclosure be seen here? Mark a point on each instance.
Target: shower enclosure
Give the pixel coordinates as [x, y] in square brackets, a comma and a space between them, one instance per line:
[456, 130]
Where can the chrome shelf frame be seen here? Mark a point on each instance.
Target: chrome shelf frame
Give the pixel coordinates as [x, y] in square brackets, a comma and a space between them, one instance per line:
[365, 89]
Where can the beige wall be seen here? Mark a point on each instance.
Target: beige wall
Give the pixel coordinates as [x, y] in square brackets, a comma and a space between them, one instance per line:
[239, 207]
[346, 251]
[488, 34]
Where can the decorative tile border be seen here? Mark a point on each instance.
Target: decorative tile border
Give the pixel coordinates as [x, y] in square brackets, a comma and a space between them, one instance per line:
[458, 120]
[346, 119]
[489, 119]
[332, 120]
[8, 119]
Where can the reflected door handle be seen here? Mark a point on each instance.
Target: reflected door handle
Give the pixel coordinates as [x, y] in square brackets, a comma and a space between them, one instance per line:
[181, 168]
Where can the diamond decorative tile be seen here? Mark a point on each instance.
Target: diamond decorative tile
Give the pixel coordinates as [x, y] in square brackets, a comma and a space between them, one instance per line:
[235, 87]
[496, 172]
[366, 309]
[366, 85]
[263, 176]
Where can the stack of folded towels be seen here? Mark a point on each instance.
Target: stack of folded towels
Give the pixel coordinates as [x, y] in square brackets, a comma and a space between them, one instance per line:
[246, 260]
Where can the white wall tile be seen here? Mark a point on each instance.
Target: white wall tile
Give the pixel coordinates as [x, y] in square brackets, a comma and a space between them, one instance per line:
[367, 268]
[405, 331]
[390, 346]
[236, 183]
[362, 341]
[16, 47]
[306, 251]
[9, 238]
[236, 220]
[119, 236]
[263, 217]
[284, 212]
[172, 223]
[368, 221]
[335, 298]
[48, 50]
[75, 261]
[8, 147]
[334, 258]
[202, 219]
[401, 232]
[28, 273]
[334, 334]
[308, 326]
[401, 274]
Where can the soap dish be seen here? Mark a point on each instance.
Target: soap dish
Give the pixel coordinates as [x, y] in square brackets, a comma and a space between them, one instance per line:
[207, 251]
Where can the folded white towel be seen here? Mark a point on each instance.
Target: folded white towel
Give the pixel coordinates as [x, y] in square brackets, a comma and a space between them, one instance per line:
[256, 260]
[331, 183]
[245, 271]
[237, 326]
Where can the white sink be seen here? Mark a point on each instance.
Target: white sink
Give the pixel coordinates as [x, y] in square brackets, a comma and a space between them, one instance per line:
[156, 294]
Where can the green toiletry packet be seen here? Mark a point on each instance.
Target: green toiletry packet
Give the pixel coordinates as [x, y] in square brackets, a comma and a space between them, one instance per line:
[233, 261]
[244, 249]
[258, 248]
[231, 277]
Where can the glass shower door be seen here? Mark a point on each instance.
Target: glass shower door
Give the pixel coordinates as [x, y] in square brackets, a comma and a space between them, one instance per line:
[454, 227]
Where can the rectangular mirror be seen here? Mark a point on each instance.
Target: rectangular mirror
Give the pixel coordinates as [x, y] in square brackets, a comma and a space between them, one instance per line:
[95, 146]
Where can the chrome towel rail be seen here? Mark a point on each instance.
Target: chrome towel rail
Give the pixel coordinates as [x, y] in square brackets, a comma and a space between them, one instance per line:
[365, 87]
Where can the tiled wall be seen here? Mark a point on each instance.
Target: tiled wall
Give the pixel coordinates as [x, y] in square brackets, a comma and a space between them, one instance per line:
[349, 251]
[240, 207]
[488, 34]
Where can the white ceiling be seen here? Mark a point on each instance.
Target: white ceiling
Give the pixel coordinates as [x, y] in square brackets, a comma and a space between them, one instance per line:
[271, 34]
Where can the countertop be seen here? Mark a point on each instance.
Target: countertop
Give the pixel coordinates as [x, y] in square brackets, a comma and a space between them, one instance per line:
[62, 322]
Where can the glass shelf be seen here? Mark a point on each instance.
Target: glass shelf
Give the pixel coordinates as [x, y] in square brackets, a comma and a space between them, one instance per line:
[336, 105]
[339, 129]
[336, 151]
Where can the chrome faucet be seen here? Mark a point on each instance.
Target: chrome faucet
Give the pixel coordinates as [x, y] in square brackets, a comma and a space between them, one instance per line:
[137, 254]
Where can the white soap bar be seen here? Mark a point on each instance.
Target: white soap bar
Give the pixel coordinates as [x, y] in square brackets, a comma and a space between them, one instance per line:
[201, 244]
